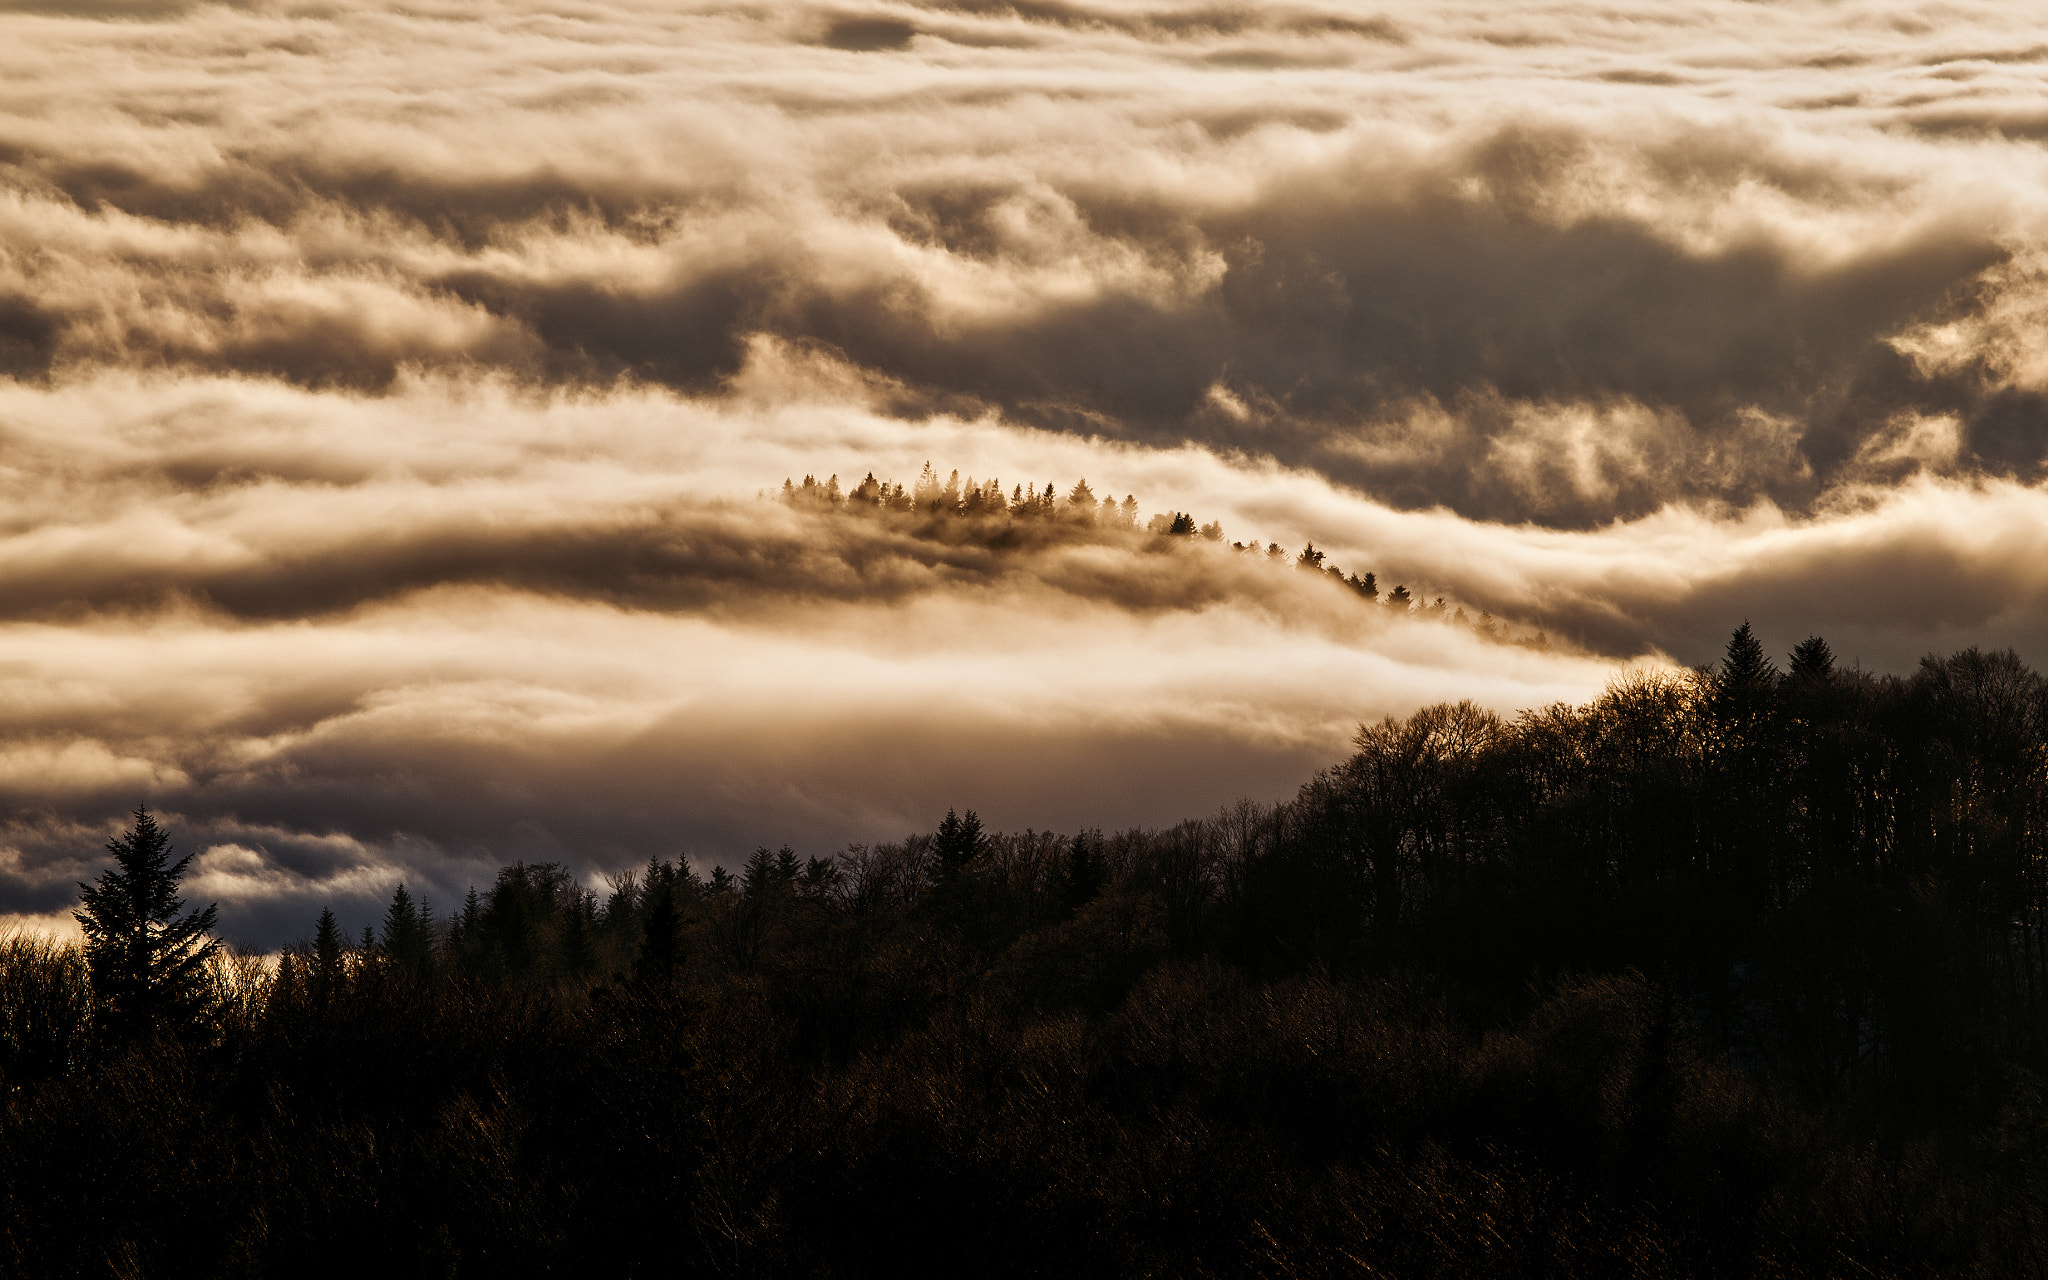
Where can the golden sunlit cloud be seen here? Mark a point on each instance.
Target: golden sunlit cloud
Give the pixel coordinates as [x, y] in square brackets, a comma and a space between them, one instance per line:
[396, 402]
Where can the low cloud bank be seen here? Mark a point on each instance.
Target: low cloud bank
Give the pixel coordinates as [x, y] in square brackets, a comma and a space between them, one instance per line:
[342, 639]
[394, 400]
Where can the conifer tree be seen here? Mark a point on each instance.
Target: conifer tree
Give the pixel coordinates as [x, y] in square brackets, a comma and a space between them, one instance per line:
[147, 962]
[1748, 768]
[327, 946]
[1086, 871]
[1813, 660]
[959, 841]
[471, 919]
[655, 966]
[1744, 668]
[577, 949]
[406, 937]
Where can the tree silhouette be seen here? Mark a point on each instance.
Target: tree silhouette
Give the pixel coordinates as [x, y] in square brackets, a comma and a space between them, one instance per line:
[327, 946]
[959, 840]
[1813, 660]
[654, 967]
[148, 962]
[1744, 668]
[408, 940]
[1086, 870]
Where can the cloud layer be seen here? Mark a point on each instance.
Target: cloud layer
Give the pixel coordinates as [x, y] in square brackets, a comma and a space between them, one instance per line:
[386, 391]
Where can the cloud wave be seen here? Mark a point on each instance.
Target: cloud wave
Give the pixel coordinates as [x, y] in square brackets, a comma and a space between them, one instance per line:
[389, 392]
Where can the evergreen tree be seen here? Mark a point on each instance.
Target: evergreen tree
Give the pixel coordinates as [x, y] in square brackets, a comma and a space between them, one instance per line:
[1748, 770]
[1744, 668]
[327, 946]
[655, 966]
[959, 841]
[147, 962]
[407, 939]
[471, 918]
[1812, 660]
[579, 923]
[1310, 558]
[1086, 870]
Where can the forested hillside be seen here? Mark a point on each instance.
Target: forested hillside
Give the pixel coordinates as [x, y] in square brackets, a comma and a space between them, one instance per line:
[1740, 972]
[973, 529]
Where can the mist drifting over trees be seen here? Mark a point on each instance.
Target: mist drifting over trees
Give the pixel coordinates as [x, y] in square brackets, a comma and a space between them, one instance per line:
[385, 393]
[1728, 972]
[1361, 425]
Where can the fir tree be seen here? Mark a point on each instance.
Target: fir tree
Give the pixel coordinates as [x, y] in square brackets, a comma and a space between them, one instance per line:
[1812, 660]
[147, 962]
[655, 967]
[1086, 871]
[406, 937]
[577, 949]
[327, 947]
[1744, 668]
[959, 841]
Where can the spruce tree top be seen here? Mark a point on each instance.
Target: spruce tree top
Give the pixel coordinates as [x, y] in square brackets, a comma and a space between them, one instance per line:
[1743, 665]
[959, 841]
[1813, 660]
[148, 963]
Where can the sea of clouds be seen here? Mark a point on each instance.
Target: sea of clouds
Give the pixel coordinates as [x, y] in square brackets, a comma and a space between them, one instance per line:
[389, 393]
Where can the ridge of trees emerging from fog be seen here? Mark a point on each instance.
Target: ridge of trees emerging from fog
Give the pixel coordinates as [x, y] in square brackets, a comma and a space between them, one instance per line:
[1733, 972]
[979, 510]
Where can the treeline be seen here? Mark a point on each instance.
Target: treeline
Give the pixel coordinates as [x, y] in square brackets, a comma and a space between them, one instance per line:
[1736, 972]
[982, 508]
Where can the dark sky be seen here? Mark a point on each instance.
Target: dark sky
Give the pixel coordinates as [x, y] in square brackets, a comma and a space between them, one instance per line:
[387, 393]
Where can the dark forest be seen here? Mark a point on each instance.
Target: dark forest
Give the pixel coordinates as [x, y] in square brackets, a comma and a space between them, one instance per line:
[1734, 973]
